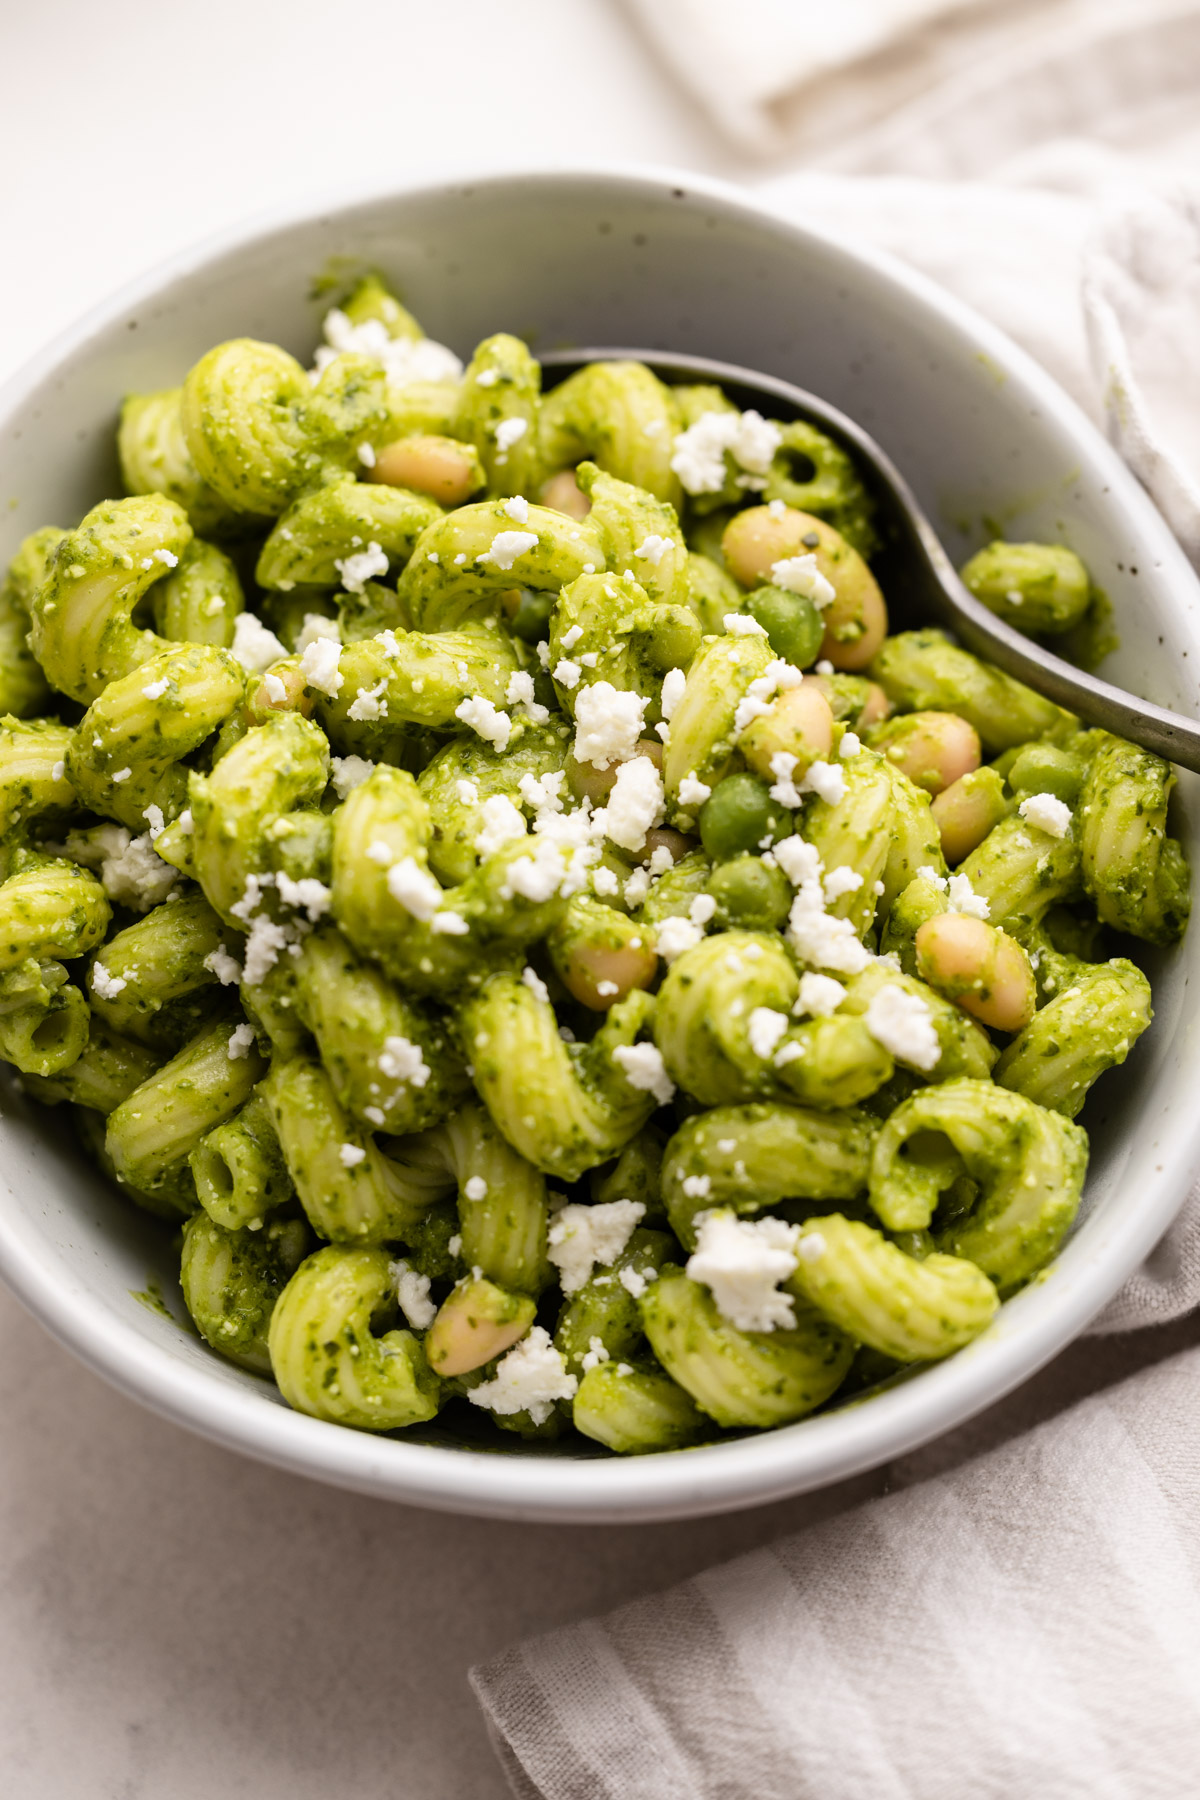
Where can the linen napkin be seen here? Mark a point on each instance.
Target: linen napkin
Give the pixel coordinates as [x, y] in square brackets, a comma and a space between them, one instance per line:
[1024, 1627]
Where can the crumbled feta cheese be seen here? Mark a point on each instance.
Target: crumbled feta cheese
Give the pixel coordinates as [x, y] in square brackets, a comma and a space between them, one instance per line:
[764, 1028]
[454, 1245]
[502, 824]
[635, 804]
[226, 968]
[153, 816]
[417, 891]
[508, 432]
[594, 1355]
[605, 883]
[276, 689]
[402, 1060]
[412, 1292]
[520, 692]
[361, 567]
[106, 985]
[699, 459]
[529, 1379]
[263, 945]
[535, 984]
[213, 605]
[449, 924]
[486, 719]
[674, 936]
[839, 881]
[633, 1281]
[517, 508]
[380, 852]
[903, 1024]
[811, 1247]
[697, 1187]
[319, 666]
[742, 1262]
[467, 792]
[366, 455]
[350, 1155]
[154, 690]
[475, 1188]
[799, 860]
[819, 995]
[130, 871]
[404, 359]
[254, 646]
[567, 673]
[582, 1236]
[692, 791]
[653, 548]
[742, 625]
[506, 547]
[1048, 813]
[571, 638]
[785, 792]
[307, 894]
[674, 683]
[644, 1069]
[541, 792]
[240, 1042]
[800, 575]
[963, 898]
[826, 781]
[827, 943]
[315, 626]
[608, 723]
[703, 909]
[349, 772]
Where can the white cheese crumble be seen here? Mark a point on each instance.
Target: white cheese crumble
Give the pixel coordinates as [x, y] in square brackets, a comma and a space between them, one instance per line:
[319, 666]
[644, 1069]
[742, 625]
[699, 459]
[507, 546]
[366, 455]
[674, 936]
[819, 995]
[633, 1281]
[517, 508]
[417, 891]
[764, 1028]
[697, 1187]
[308, 895]
[674, 683]
[811, 1247]
[594, 1355]
[692, 791]
[350, 1155]
[130, 871]
[851, 745]
[226, 968]
[508, 432]
[608, 724]
[412, 1291]
[240, 1042]
[369, 703]
[315, 626]
[404, 359]
[903, 1024]
[475, 1188]
[502, 824]
[800, 575]
[155, 821]
[276, 690]
[520, 692]
[567, 673]
[402, 1060]
[154, 690]
[486, 719]
[254, 646]
[703, 909]
[349, 772]
[1048, 813]
[605, 882]
[106, 985]
[582, 1236]
[742, 1262]
[653, 548]
[361, 567]
[535, 984]
[635, 804]
[839, 881]
[529, 1379]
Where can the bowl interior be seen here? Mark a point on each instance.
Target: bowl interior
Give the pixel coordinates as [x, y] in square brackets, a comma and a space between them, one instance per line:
[987, 442]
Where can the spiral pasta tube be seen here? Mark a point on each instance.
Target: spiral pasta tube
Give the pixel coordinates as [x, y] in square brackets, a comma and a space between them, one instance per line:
[231, 1281]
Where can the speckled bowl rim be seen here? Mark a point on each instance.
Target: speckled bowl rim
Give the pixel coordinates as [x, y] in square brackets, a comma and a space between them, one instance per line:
[723, 1477]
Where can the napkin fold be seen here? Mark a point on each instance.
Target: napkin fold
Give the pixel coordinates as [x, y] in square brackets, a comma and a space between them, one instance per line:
[1023, 1627]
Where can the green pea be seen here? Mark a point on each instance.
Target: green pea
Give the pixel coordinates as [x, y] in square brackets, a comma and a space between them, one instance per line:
[750, 894]
[792, 622]
[1045, 769]
[738, 815]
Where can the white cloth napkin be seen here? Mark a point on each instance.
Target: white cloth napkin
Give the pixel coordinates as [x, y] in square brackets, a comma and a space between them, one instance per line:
[1024, 1627]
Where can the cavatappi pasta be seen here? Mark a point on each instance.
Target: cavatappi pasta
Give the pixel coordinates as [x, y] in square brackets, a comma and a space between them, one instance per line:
[478, 867]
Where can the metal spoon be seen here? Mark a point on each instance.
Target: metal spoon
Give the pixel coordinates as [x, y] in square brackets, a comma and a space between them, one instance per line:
[929, 583]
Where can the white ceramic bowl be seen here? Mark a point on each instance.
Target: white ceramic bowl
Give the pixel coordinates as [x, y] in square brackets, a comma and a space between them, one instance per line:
[674, 263]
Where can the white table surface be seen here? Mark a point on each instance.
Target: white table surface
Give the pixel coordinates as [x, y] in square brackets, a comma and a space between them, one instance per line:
[175, 1622]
